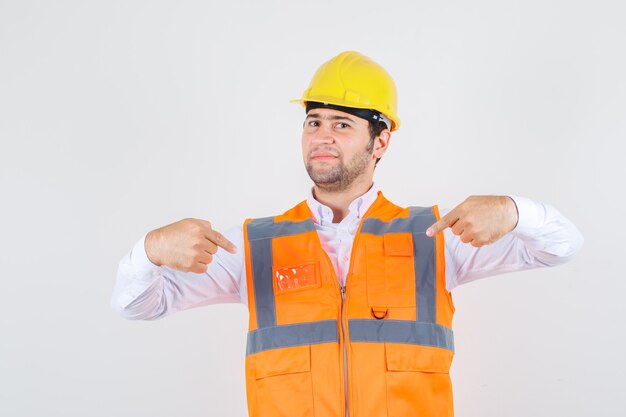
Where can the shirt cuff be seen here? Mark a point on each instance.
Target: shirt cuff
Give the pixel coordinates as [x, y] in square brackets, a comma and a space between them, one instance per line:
[531, 215]
[139, 258]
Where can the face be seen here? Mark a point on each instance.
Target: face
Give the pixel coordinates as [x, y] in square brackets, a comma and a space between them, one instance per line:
[336, 148]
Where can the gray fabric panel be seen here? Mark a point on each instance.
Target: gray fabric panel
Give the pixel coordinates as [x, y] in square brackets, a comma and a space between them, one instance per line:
[401, 331]
[421, 211]
[418, 221]
[424, 263]
[266, 229]
[292, 335]
[425, 288]
[261, 259]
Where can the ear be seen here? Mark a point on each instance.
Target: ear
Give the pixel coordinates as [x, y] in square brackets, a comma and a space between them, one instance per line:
[381, 143]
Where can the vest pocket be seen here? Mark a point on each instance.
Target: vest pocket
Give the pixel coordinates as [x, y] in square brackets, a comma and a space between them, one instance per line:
[390, 271]
[295, 277]
[418, 381]
[283, 382]
[409, 357]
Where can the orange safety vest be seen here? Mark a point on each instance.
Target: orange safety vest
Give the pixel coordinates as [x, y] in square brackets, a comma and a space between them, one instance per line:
[383, 343]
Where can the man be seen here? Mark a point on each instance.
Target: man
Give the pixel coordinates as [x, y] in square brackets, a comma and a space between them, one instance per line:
[348, 294]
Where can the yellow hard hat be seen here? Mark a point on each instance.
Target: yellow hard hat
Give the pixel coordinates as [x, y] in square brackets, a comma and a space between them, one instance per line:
[351, 79]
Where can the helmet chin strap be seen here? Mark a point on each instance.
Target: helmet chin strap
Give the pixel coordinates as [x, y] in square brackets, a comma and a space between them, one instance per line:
[384, 119]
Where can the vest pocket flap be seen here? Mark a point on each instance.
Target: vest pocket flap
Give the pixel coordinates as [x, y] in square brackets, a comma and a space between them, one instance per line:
[283, 361]
[398, 244]
[408, 357]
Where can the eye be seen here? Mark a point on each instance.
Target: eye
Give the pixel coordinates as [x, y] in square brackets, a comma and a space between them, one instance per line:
[343, 125]
[313, 123]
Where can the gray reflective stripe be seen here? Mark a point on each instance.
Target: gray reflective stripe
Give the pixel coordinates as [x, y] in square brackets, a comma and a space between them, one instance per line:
[418, 221]
[401, 331]
[292, 335]
[260, 234]
[266, 228]
[421, 211]
[261, 259]
[425, 288]
[424, 262]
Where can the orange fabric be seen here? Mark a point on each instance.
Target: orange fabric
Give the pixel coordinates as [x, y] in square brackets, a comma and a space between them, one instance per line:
[384, 379]
[444, 315]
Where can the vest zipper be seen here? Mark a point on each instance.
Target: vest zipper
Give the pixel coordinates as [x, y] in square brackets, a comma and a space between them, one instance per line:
[343, 290]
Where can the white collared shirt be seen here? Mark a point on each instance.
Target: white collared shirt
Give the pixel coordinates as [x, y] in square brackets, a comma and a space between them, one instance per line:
[143, 290]
[337, 238]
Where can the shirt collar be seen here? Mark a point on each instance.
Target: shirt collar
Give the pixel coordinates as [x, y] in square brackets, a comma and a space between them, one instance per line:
[323, 214]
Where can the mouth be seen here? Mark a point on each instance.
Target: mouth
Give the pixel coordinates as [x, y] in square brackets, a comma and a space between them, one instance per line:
[322, 156]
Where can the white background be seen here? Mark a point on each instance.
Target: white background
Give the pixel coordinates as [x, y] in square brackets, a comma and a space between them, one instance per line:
[118, 117]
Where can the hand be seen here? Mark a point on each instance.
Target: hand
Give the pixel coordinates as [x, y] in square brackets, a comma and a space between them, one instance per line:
[479, 220]
[187, 245]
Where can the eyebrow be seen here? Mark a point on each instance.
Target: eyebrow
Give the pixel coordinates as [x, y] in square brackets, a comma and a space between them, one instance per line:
[335, 117]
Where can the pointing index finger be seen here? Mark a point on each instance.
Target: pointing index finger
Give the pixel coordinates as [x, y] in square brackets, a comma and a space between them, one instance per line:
[440, 225]
[221, 241]
[436, 228]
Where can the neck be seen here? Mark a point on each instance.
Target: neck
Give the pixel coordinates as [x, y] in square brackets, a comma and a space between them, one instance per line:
[339, 201]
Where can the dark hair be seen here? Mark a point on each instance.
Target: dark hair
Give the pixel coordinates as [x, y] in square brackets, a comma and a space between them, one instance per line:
[375, 130]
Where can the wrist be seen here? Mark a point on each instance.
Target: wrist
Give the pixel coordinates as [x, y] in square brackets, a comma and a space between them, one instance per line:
[150, 246]
[513, 209]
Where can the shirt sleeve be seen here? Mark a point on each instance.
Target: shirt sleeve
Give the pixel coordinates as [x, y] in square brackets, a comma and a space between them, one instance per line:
[145, 291]
[542, 237]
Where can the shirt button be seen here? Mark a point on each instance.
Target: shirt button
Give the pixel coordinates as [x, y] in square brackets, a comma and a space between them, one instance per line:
[345, 258]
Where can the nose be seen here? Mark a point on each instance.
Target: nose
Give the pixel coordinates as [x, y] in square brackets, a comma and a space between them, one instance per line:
[324, 135]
